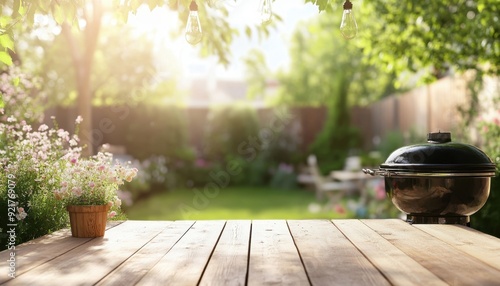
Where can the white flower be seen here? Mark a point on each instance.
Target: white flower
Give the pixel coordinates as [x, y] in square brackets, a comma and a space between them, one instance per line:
[21, 214]
[79, 119]
[117, 201]
[43, 127]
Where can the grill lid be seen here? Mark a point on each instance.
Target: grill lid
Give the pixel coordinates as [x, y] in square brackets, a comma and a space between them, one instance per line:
[438, 157]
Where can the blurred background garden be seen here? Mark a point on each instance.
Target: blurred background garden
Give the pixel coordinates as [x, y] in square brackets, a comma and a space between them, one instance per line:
[224, 129]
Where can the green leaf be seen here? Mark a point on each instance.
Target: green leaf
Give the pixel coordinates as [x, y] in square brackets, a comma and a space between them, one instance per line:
[59, 15]
[480, 7]
[4, 21]
[5, 58]
[6, 42]
[15, 81]
[248, 32]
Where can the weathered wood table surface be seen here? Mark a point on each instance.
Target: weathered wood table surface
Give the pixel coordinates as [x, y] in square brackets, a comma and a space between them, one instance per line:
[261, 252]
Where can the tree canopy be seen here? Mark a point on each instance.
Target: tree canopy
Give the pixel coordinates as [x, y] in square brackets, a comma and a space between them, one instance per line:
[433, 35]
[395, 36]
[81, 24]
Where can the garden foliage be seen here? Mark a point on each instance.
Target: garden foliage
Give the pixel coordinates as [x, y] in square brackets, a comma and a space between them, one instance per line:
[488, 218]
[42, 171]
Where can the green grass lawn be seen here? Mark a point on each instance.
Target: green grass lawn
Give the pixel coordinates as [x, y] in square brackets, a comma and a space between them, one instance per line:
[233, 203]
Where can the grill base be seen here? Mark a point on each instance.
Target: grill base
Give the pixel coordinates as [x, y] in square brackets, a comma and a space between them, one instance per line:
[425, 219]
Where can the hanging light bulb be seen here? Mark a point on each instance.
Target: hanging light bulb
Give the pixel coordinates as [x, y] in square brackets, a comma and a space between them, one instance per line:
[266, 11]
[193, 28]
[348, 26]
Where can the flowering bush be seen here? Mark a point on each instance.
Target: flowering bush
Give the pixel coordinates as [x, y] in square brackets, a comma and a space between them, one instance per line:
[151, 178]
[40, 166]
[17, 90]
[30, 163]
[92, 181]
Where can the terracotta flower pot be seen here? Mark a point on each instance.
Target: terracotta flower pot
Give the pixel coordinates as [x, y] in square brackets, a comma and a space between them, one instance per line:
[88, 221]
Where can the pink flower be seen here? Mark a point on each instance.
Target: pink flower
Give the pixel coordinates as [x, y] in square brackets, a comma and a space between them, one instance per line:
[76, 191]
[112, 214]
[92, 184]
[200, 163]
[380, 191]
[339, 209]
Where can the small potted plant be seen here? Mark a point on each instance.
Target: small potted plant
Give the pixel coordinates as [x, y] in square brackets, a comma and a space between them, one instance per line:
[88, 188]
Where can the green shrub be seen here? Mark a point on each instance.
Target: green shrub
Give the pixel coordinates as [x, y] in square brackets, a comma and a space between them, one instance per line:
[165, 129]
[488, 218]
[27, 162]
[392, 140]
[227, 128]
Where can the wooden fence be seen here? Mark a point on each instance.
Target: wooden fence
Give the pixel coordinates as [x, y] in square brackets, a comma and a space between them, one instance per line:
[426, 109]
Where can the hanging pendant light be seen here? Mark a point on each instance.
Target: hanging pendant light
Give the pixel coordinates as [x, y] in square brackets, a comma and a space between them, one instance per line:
[193, 32]
[348, 26]
[266, 11]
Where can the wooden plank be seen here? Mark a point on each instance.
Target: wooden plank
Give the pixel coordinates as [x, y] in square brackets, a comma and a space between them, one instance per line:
[38, 251]
[185, 262]
[229, 262]
[274, 259]
[450, 264]
[480, 245]
[330, 258]
[394, 264]
[134, 268]
[90, 262]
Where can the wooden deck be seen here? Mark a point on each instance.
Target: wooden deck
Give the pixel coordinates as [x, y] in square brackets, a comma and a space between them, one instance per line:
[261, 252]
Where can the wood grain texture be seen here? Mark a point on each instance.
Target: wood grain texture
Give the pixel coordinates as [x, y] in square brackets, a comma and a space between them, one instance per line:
[185, 262]
[445, 261]
[229, 262]
[261, 252]
[482, 246]
[274, 259]
[394, 264]
[92, 261]
[39, 251]
[133, 269]
[330, 258]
